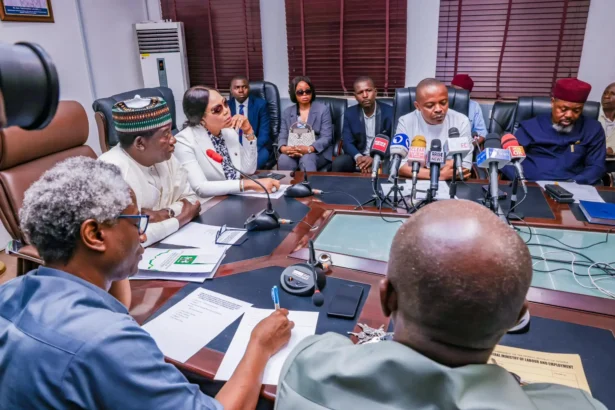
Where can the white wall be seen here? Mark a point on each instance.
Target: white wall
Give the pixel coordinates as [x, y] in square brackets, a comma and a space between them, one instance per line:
[422, 40]
[275, 46]
[598, 56]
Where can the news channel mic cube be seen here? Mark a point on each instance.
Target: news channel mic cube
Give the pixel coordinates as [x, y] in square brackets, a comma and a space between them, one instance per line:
[401, 139]
[517, 152]
[436, 157]
[489, 155]
[458, 146]
[380, 145]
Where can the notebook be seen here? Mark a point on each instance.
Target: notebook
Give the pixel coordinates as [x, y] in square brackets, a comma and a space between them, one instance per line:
[598, 212]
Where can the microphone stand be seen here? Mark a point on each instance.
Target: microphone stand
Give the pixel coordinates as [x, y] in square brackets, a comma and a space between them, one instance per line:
[513, 199]
[378, 200]
[453, 187]
[395, 190]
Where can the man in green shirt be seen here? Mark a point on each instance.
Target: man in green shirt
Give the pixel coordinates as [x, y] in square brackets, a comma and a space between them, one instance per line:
[451, 298]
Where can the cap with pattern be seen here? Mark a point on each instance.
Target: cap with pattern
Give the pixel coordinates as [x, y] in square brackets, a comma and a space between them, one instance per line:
[141, 115]
[571, 90]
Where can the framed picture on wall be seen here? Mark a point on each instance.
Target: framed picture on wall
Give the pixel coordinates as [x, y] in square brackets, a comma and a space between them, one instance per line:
[26, 10]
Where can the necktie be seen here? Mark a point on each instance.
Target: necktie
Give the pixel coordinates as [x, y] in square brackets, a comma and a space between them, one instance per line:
[241, 131]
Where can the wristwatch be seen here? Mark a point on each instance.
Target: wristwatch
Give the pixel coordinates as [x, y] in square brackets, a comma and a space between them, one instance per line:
[311, 149]
[171, 213]
[250, 137]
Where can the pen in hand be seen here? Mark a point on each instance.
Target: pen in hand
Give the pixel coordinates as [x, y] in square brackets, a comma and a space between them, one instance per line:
[275, 296]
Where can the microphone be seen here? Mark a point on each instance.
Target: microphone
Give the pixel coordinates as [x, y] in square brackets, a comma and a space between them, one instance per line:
[517, 155]
[317, 298]
[302, 189]
[435, 159]
[493, 157]
[416, 158]
[457, 147]
[378, 151]
[399, 150]
[264, 220]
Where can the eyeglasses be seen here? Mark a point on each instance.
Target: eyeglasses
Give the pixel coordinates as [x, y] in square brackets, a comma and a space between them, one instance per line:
[220, 107]
[142, 223]
[223, 229]
[304, 92]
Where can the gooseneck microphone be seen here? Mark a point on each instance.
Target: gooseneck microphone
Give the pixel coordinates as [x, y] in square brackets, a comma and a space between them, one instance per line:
[302, 189]
[457, 147]
[378, 151]
[517, 155]
[317, 298]
[435, 159]
[266, 219]
[399, 151]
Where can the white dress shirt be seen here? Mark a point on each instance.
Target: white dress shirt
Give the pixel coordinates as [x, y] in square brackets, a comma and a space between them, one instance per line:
[609, 129]
[414, 124]
[245, 107]
[206, 176]
[160, 186]
[370, 131]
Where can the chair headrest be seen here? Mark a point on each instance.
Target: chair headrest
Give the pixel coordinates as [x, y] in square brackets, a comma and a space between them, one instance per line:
[68, 129]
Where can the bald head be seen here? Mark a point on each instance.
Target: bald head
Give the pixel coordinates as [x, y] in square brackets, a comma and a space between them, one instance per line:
[461, 274]
[432, 100]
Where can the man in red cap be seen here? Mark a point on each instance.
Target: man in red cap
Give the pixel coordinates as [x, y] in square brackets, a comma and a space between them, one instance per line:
[563, 146]
[475, 114]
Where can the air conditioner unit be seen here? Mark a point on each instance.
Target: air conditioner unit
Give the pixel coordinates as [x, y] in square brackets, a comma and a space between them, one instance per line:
[162, 50]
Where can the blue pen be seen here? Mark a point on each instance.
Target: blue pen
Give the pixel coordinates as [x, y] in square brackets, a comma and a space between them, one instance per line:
[275, 296]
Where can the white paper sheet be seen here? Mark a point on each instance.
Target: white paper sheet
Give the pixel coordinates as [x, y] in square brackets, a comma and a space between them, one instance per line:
[193, 322]
[422, 185]
[580, 192]
[305, 325]
[196, 235]
[197, 266]
[274, 195]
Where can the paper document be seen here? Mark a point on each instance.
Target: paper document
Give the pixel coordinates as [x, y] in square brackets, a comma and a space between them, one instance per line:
[580, 192]
[274, 195]
[305, 325]
[538, 367]
[423, 185]
[193, 322]
[196, 235]
[186, 265]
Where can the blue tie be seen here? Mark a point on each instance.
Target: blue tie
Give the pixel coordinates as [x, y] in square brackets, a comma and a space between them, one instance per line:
[241, 131]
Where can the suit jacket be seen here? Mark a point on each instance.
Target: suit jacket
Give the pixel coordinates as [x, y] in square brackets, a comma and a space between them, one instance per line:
[320, 121]
[206, 176]
[330, 372]
[354, 138]
[259, 120]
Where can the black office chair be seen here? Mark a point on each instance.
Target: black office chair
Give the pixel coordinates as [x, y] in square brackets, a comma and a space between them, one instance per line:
[530, 107]
[337, 106]
[458, 100]
[269, 92]
[386, 100]
[104, 118]
[502, 117]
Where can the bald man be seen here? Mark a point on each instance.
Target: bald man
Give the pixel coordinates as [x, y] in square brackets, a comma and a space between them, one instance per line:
[449, 313]
[432, 119]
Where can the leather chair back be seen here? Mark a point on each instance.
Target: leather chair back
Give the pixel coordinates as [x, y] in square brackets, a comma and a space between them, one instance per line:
[386, 100]
[338, 109]
[104, 119]
[26, 155]
[269, 92]
[530, 107]
[458, 100]
[502, 117]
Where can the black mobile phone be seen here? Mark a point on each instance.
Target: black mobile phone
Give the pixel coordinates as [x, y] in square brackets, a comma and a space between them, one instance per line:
[558, 191]
[501, 194]
[346, 301]
[269, 175]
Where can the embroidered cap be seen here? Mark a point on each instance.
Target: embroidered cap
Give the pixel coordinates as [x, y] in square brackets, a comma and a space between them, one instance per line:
[464, 81]
[571, 90]
[141, 115]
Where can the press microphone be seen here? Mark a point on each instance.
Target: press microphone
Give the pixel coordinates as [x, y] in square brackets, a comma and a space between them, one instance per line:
[378, 151]
[399, 150]
[517, 155]
[493, 157]
[435, 159]
[416, 158]
[264, 220]
[302, 189]
[457, 147]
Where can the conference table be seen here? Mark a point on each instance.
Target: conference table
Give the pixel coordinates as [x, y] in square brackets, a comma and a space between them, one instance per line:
[566, 318]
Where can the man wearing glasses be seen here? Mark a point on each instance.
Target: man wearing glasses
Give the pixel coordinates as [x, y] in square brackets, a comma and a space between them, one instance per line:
[65, 341]
[145, 157]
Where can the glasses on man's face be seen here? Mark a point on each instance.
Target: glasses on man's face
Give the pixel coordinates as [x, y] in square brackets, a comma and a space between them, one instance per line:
[222, 239]
[142, 223]
[220, 107]
[304, 92]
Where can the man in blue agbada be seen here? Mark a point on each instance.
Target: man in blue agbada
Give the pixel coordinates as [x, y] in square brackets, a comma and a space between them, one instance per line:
[565, 145]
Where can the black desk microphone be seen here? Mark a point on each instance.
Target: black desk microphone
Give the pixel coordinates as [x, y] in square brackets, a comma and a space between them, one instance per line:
[302, 189]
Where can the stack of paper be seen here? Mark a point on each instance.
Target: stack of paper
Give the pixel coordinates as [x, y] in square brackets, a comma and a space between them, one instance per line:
[579, 192]
[198, 260]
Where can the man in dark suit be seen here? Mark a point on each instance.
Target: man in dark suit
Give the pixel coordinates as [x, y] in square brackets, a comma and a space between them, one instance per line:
[256, 110]
[362, 123]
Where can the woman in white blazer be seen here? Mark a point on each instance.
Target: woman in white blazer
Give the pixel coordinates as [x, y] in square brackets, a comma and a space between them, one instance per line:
[209, 126]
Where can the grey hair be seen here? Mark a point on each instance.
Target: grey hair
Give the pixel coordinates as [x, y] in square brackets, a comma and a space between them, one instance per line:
[73, 191]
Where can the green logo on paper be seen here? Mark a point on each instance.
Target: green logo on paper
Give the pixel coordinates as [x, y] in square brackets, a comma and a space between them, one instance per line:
[185, 260]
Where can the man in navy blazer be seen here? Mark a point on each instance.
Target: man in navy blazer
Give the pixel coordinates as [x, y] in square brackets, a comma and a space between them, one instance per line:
[362, 123]
[256, 110]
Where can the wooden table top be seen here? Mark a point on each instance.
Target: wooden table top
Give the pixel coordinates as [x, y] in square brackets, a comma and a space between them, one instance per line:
[149, 296]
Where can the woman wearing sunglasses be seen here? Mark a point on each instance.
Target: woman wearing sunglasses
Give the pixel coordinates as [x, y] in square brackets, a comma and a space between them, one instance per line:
[308, 112]
[210, 127]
